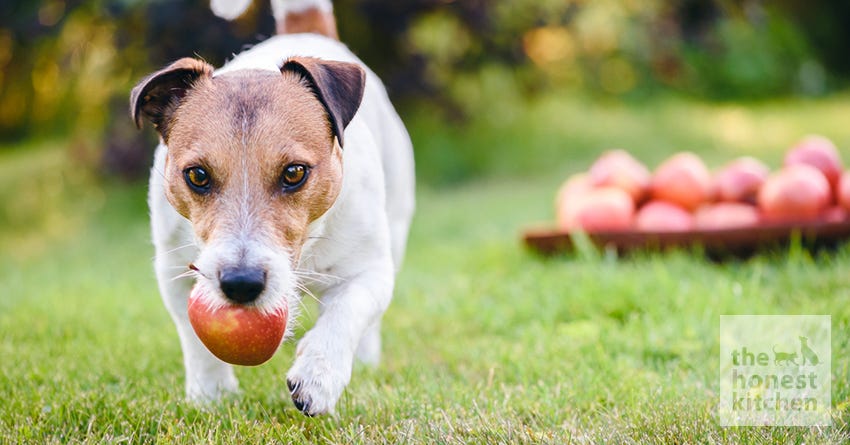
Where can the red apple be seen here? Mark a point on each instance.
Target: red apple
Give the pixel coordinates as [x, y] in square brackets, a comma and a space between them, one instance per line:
[604, 208]
[571, 192]
[725, 215]
[834, 214]
[796, 193]
[740, 180]
[237, 334]
[842, 192]
[820, 153]
[617, 168]
[682, 179]
[662, 216]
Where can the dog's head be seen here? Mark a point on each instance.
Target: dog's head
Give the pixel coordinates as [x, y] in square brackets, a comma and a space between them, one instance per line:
[254, 157]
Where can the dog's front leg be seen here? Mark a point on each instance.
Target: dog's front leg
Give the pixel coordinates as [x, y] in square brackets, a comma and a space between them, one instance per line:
[207, 377]
[324, 356]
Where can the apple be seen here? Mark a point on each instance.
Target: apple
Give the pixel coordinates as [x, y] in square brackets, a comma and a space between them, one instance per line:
[575, 185]
[798, 192]
[662, 216]
[842, 192]
[682, 179]
[617, 168]
[567, 198]
[599, 209]
[237, 334]
[834, 214]
[740, 180]
[819, 152]
[725, 215]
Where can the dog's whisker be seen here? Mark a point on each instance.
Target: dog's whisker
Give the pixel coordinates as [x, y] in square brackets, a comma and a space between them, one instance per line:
[303, 311]
[322, 282]
[186, 274]
[317, 281]
[308, 272]
[306, 259]
[166, 253]
[324, 238]
[184, 246]
[317, 276]
[159, 171]
[307, 292]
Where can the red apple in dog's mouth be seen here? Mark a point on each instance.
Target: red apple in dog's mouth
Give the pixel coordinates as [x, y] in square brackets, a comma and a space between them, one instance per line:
[237, 334]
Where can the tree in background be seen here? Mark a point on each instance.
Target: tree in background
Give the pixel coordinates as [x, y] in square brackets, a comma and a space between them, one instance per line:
[66, 66]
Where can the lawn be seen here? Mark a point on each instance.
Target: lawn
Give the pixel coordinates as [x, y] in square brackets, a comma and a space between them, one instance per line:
[485, 342]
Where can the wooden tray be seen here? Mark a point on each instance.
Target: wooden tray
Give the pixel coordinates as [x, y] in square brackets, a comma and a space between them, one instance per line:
[738, 242]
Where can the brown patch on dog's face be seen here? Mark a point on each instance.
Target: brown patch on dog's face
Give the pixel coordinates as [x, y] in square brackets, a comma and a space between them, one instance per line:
[251, 133]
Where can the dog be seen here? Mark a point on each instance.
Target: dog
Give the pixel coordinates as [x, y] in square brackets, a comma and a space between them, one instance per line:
[286, 172]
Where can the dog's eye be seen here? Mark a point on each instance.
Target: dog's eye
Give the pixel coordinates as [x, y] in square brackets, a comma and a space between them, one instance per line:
[293, 176]
[197, 178]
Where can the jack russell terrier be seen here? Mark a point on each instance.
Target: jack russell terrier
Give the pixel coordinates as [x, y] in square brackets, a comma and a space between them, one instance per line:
[286, 172]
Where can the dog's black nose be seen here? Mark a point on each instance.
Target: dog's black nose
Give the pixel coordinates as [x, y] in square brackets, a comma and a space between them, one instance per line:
[242, 284]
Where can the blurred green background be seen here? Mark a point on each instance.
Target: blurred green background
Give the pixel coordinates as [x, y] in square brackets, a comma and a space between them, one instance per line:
[489, 89]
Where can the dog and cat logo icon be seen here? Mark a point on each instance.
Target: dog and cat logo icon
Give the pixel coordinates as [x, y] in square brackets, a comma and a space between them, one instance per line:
[807, 354]
[775, 370]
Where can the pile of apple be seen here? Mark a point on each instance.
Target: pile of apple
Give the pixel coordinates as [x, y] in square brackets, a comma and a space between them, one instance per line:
[620, 193]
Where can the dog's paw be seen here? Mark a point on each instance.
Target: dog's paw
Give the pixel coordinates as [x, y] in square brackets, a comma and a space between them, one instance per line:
[316, 384]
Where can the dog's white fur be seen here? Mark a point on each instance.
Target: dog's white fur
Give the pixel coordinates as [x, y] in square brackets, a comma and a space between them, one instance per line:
[350, 259]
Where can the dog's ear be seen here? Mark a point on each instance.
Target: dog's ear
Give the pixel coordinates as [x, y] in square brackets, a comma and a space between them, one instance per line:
[157, 96]
[338, 86]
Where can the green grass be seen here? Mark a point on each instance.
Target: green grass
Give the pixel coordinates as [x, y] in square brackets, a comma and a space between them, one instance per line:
[484, 343]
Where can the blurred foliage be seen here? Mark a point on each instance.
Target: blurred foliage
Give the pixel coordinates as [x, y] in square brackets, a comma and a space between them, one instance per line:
[66, 66]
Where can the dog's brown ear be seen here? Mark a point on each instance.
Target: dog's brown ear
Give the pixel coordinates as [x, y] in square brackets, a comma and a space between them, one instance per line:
[338, 86]
[157, 96]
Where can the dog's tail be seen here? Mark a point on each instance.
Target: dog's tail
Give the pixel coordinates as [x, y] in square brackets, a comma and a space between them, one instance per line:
[291, 16]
